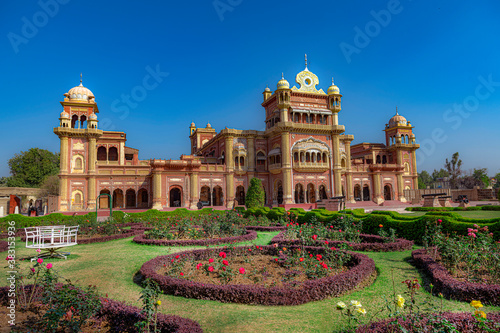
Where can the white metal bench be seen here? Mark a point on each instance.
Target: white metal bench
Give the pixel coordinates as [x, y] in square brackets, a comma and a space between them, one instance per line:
[50, 239]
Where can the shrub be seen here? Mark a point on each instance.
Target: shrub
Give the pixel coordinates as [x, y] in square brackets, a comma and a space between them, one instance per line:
[255, 194]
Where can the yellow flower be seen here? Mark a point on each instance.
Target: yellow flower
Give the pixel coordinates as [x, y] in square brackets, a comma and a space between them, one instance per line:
[480, 313]
[361, 310]
[356, 304]
[476, 304]
[341, 305]
[158, 303]
[401, 301]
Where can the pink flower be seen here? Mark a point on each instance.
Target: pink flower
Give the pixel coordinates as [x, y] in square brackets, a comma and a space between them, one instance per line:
[225, 262]
[242, 270]
[38, 250]
[314, 237]
[182, 274]
[177, 256]
[199, 266]
[32, 269]
[9, 258]
[326, 242]
[275, 245]
[341, 217]
[211, 260]
[222, 254]
[49, 266]
[439, 221]
[39, 260]
[210, 269]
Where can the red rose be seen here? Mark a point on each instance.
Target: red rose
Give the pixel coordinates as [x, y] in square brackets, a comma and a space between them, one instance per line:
[314, 237]
[301, 259]
[210, 269]
[177, 256]
[225, 262]
[182, 274]
[211, 260]
[222, 254]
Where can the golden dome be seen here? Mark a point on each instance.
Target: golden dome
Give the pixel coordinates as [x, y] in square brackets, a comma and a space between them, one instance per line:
[192, 124]
[283, 84]
[333, 89]
[397, 120]
[267, 89]
[80, 94]
[93, 116]
[64, 114]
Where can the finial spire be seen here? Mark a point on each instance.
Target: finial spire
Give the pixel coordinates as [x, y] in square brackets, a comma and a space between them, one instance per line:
[282, 76]
[332, 82]
[306, 60]
[397, 114]
[81, 79]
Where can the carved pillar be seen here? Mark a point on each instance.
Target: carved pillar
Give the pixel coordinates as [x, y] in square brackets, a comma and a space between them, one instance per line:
[229, 175]
[336, 166]
[194, 191]
[377, 198]
[348, 174]
[251, 157]
[157, 190]
[399, 176]
[414, 169]
[286, 167]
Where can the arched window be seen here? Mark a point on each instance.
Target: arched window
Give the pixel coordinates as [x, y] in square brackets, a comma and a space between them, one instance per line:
[384, 159]
[242, 161]
[261, 159]
[78, 198]
[378, 159]
[74, 121]
[342, 163]
[407, 168]
[83, 122]
[102, 154]
[325, 158]
[308, 157]
[113, 154]
[78, 163]
[295, 157]
[236, 161]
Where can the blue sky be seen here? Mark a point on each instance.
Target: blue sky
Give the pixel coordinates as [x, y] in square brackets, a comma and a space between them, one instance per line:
[436, 60]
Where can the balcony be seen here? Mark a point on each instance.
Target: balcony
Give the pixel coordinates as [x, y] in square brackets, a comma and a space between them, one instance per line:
[275, 168]
[311, 166]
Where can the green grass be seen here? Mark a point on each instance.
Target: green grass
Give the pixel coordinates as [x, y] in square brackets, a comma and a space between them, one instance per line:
[479, 214]
[111, 266]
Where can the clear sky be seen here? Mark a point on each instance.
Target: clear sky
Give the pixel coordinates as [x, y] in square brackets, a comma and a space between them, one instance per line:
[437, 61]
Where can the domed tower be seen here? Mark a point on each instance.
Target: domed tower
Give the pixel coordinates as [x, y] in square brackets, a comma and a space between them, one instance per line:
[78, 153]
[334, 101]
[267, 93]
[400, 141]
[283, 95]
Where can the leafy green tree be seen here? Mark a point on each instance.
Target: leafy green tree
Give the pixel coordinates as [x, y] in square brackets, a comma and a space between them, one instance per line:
[497, 178]
[424, 180]
[50, 185]
[3, 181]
[255, 194]
[31, 167]
[482, 176]
[439, 174]
[453, 167]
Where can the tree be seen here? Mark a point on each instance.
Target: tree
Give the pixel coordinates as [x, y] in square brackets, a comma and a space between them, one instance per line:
[497, 179]
[30, 168]
[255, 194]
[482, 176]
[453, 168]
[442, 173]
[3, 181]
[424, 180]
[50, 185]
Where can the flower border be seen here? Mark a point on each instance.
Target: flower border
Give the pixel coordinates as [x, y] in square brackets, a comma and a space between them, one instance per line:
[4, 246]
[264, 228]
[370, 243]
[312, 290]
[446, 284]
[250, 235]
[122, 317]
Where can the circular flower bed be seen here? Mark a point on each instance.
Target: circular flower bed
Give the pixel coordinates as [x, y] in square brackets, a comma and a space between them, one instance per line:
[451, 287]
[249, 235]
[371, 243]
[121, 317]
[359, 270]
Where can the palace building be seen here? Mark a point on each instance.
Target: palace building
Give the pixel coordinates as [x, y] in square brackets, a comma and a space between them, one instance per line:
[302, 156]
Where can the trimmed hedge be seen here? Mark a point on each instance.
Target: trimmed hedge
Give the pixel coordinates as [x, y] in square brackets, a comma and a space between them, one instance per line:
[370, 243]
[122, 317]
[450, 287]
[464, 322]
[250, 235]
[312, 290]
[449, 209]
[266, 229]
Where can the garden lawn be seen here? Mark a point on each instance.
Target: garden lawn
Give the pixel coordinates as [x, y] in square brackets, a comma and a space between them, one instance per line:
[111, 266]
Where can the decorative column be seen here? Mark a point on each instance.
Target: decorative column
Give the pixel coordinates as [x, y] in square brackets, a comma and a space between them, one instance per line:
[286, 167]
[377, 198]
[194, 191]
[91, 185]
[251, 157]
[399, 176]
[63, 186]
[229, 175]
[157, 190]
[348, 174]
[414, 169]
[336, 166]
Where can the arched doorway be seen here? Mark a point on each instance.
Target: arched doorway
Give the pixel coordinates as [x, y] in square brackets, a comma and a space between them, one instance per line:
[311, 194]
[175, 197]
[366, 193]
[117, 198]
[218, 196]
[142, 198]
[322, 192]
[130, 198]
[357, 192]
[279, 194]
[102, 154]
[104, 200]
[240, 195]
[205, 196]
[299, 193]
[387, 192]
